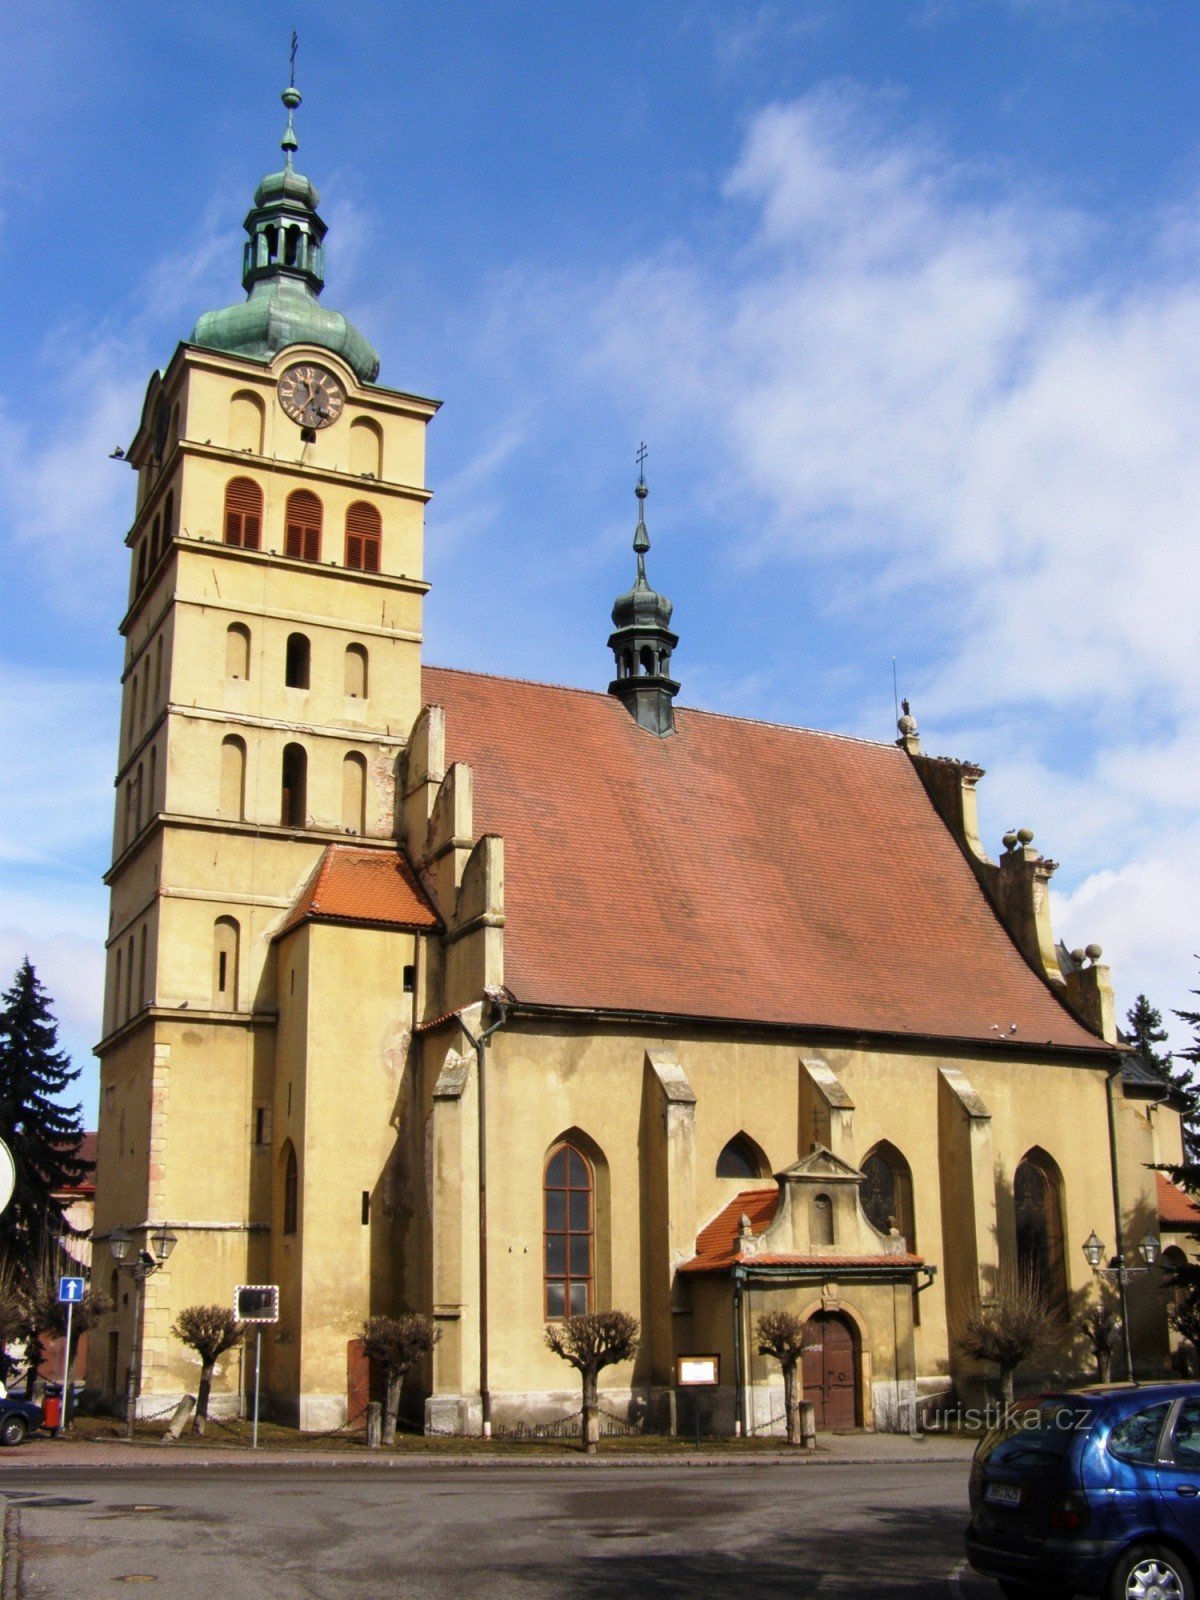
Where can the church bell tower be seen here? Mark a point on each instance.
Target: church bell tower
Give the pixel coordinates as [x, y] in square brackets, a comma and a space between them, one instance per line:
[642, 640]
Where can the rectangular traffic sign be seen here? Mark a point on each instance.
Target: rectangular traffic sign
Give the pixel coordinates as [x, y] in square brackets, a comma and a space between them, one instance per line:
[70, 1290]
[256, 1302]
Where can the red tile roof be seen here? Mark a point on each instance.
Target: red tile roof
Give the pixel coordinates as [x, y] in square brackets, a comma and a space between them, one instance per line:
[717, 1244]
[85, 1186]
[734, 870]
[1175, 1207]
[352, 883]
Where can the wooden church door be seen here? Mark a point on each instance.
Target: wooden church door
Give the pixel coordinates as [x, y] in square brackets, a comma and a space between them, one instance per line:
[831, 1372]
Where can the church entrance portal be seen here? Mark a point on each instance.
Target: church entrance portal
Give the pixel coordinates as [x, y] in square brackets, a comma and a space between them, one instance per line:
[831, 1371]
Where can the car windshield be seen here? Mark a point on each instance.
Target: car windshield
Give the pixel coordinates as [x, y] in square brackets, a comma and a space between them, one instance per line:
[1037, 1434]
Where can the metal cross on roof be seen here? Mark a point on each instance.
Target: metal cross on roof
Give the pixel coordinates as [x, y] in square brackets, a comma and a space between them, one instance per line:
[642, 453]
[292, 78]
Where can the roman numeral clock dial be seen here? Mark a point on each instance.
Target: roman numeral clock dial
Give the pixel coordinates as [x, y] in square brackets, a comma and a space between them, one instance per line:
[311, 395]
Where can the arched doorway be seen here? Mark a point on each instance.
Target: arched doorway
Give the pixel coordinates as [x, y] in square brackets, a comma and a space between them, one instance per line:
[831, 1371]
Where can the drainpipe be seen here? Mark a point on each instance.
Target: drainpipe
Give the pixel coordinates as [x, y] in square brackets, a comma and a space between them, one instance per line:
[1116, 1197]
[739, 1421]
[500, 1007]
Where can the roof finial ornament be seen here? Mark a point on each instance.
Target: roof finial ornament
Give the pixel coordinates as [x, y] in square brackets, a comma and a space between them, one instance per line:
[291, 99]
[641, 539]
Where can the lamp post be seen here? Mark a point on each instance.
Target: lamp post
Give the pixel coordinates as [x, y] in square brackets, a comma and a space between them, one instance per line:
[1093, 1249]
[142, 1266]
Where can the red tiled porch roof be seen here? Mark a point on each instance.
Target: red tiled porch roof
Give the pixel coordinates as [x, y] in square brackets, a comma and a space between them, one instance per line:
[717, 1244]
[1176, 1208]
[352, 883]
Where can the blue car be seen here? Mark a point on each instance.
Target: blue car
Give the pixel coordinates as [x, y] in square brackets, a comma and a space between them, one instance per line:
[17, 1418]
[1092, 1492]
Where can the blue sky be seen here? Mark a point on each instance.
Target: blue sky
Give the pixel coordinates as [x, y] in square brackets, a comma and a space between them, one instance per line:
[902, 295]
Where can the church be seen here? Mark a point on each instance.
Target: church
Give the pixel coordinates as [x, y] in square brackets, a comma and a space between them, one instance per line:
[502, 1001]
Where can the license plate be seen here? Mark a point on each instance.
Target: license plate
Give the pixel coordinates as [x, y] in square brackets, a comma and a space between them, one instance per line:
[1003, 1494]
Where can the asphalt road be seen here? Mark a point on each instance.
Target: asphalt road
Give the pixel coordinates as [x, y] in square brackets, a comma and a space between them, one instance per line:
[429, 1533]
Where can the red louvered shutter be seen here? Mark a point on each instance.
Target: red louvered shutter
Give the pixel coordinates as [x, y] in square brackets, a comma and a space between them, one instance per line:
[364, 532]
[243, 513]
[303, 526]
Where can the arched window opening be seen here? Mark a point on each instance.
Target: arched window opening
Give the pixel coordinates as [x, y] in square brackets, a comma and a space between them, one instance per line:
[569, 1230]
[117, 1018]
[243, 513]
[272, 237]
[129, 978]
[627, 663]
[1037, 1196]
[303, 526]
[133, 700]
[158, 668]
[294, 800]
[366, 448]
[138, 787]
[246, 424]
[291, 1189]
[141, 564]
[822, 1219]
[356, 672]
[152, 784]
[354, 793]
[646, 659]
[175, 423]
[297, 661]
[233, 778]
[145, 695]
[293, 247]
[155, 534]
[741, 1158]
[141, 984]
[662, 663]
[168, 526]
[887, 1194]
[227, 935]
[364, 537]
[237, 651]
[127, 833]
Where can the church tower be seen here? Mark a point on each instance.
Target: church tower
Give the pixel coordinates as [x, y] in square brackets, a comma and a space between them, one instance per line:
[642, 640]
[271, 677]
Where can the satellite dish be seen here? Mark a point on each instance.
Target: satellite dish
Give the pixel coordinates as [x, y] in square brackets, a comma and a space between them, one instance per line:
[8, 1176]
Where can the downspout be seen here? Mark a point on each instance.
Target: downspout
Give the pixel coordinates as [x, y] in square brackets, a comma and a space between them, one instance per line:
[739, 1421]
[500, 1007]
[1116, 1197]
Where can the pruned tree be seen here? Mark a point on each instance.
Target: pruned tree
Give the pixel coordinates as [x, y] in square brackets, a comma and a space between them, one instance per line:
[397, 1344]
[1009, 1328]
[210, 1331]
[590, 1342]
[785, 1337]
[1100, 1325]
[42, 1133]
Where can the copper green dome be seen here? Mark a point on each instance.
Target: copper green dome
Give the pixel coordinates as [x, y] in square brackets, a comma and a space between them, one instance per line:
[283, 273]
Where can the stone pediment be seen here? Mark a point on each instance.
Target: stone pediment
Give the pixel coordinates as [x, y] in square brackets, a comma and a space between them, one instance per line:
[820, 1165]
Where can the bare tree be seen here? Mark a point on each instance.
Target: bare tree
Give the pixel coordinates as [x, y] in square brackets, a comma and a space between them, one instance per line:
[591, 1342]
[1016, 1323]
[785, 1337]
[1100, 1325]
[397, 1343]
[210, 1331]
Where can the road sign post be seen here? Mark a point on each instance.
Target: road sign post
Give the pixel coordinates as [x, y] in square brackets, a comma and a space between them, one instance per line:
[257, 1303]
[70, 1293]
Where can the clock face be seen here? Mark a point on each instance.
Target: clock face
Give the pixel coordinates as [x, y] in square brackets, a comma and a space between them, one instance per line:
[311, 395]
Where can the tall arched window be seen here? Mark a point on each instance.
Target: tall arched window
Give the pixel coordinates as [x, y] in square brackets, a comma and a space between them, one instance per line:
[152, 558]
[152, 784]
[356, 672]
[366, 448]
[141, 983]
[243, 513]
[293, 811]
[158, 667]
[291, 1189]
[139, 784]
[303, 526]
[569, 1233]
[354, 793]
[129, 977]
[233, 778]
[1037, 1196]
[297, 661]
[364, 536]
[246, 422]
[237, 651]
[741, 1158]
[141, 564]
[226, 942]
[117, 1018]
[887, 1194]
[168, 527]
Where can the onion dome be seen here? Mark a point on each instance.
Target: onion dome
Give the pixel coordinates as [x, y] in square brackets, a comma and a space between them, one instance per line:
[283, 273]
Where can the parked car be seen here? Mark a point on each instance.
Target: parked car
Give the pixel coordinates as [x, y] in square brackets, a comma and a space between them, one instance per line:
[18, 1418]
[1092, 1491]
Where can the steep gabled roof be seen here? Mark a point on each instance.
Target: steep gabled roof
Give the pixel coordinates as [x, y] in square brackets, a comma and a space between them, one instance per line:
[355, 884]
[1176, 1208]
[734, 870]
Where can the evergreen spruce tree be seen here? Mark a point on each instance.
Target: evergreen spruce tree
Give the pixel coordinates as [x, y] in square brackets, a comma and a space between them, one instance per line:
[1146, 1034]
[42, 1133]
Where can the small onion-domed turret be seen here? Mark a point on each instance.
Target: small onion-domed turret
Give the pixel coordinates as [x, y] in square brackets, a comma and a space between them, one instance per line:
[643, 641]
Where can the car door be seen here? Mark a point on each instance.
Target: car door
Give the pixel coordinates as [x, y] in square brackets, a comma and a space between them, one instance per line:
[1179, 1472]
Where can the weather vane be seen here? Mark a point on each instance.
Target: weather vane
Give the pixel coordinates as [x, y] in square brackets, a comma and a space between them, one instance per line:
[292, 78]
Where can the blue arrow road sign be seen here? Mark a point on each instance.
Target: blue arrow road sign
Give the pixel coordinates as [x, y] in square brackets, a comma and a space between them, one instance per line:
[70, 1290]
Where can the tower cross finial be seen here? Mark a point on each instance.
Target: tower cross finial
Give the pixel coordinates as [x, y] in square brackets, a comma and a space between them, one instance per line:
[642, 453]
[292, 60]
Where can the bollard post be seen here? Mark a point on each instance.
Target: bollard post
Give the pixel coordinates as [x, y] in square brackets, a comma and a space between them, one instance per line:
[179, 1419]
[914, 1425]
[374, 1425]
[808, 1425]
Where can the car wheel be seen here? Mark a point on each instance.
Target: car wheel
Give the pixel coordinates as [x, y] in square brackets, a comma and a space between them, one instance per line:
[1151, 1572]
[13, 1430]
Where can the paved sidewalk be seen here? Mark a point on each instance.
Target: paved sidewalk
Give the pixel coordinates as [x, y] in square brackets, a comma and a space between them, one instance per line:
[858, 1449]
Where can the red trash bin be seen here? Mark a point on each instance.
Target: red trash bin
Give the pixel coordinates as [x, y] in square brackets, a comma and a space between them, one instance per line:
[51, 1411]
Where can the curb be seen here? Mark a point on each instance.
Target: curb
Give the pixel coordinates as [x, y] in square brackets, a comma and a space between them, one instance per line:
[10, 1554]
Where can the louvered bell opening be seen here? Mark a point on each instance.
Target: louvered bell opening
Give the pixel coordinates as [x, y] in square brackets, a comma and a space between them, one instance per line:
[302, 539]
[243, 514]
[364, 537]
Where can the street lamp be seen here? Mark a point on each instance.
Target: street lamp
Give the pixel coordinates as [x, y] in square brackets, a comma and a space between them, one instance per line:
[1093, 1249]
[144, 1264]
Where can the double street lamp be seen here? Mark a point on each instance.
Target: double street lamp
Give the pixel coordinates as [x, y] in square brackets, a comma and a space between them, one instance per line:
[1094, 1249]
[142, 1266]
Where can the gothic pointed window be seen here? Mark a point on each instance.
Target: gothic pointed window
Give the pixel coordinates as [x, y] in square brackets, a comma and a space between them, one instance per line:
[303, 526]
[243, 513]
[364, 536]
[887, 1194]
[291, 1189]
[1037, 1198]
[741, 1158]
[568, 1237]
